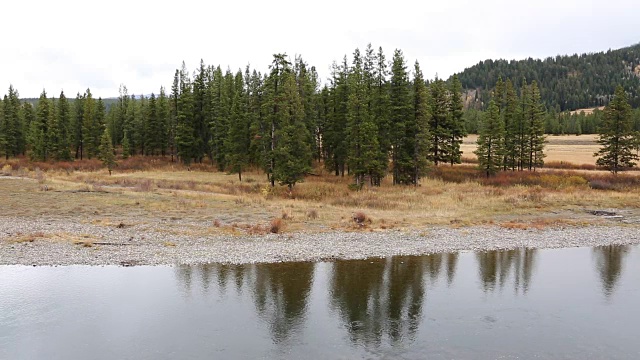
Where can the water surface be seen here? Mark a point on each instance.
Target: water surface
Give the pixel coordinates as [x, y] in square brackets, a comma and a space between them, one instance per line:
[553, 304]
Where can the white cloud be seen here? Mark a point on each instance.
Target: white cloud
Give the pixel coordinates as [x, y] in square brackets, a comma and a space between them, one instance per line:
[73, 45]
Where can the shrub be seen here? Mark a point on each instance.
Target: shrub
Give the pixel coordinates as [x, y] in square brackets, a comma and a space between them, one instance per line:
[359, 217]
[312, 214]
[276, 226]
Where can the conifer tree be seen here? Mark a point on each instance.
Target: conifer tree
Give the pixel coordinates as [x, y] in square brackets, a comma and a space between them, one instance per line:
[126, 146]
[12, 125]
[77, 135]
[63, 129]
[173, 115]
[164, 115]
[362, 137]
[105, 151]
[616, 135]
[184, 122]
[420, 135]
[39, 129]
[334, 135]
[292, 153]
[152, 127]
[381, 114]
[535, 126]
[511, 125]
[275, 108]
[490, 141]
[455, 123]
[438, 125]
[2, 127]
[88, 118]
[400, 113]
[238, 140]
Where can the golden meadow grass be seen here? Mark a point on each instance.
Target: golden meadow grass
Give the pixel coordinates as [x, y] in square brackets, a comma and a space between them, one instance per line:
[159, 191]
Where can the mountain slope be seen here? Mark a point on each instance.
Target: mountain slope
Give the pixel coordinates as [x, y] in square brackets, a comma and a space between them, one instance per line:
[566, 82]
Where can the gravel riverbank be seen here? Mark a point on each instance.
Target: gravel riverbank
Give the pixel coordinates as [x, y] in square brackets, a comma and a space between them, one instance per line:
[144, 245]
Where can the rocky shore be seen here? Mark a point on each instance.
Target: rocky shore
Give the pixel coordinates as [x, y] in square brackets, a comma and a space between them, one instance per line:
[146, 245]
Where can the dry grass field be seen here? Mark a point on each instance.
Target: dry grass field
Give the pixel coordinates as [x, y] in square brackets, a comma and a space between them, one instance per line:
[572, 149]
[205, 202]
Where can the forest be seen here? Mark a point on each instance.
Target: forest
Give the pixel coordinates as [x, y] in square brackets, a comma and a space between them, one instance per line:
[371, 118]
[566, 82]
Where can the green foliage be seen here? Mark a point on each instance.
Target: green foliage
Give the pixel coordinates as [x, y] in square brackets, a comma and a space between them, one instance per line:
[455, 123]
[490, 150]
[566, 82]
[126, 146]
[238, 140]
[292, 151]
[106, 154]
[616, 135]
[400, 107]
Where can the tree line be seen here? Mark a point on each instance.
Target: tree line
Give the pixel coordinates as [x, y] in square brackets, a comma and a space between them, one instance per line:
[371, 118]
[566, 83]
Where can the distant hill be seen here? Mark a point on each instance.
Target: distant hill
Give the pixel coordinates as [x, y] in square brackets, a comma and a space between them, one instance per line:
[567, 82]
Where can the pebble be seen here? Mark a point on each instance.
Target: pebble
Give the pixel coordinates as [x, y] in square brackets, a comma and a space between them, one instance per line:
[147, 245]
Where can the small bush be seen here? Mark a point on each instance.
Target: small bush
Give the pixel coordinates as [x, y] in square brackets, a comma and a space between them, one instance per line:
[312, 214]
[602, 185]
[276, 226]
[359, 217]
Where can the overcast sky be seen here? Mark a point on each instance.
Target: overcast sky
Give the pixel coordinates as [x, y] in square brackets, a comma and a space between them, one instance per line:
[71, 45]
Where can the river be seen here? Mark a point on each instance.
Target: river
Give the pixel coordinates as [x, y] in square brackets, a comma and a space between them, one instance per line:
[579, 303]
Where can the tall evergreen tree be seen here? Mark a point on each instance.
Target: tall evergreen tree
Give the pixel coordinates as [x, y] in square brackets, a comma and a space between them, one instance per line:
[39, 137]
[440, 131]
[77, 135]
[535, 124]
[400, 106]
[362, 137]
[161, 134]
[63, 129]
[292, 152]
[334, 134]
[238, 139]
[419, 136]
[275, 108]
[616, 135]
[12, 127]
[490, 150]
[106, 154]
[152, 127]
[381, 113]
[511, 125]
[184, 122]
[455, 122]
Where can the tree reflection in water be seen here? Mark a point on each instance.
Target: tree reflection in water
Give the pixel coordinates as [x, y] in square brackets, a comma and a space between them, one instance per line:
[380, 298]
[280, 293]
[495, 268]
[609, 263]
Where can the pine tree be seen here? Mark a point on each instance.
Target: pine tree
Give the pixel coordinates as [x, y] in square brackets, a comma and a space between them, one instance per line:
[400, 106]
[237, 142]
[184, 126]
[106, 154]
[126, 146]
[63, 129]
[173, 115]
[511, 125]
[77, 136]
[292, 153]
[535, 125]
[39, 137]
[11, 125]
[88, 118]
[490, 150]
[362, 137]
[276, 114]
[152, 127]
[439, 123]
[455, 122]
[381, 114]
[334, 135]
[161, 134]
[616, 135]
[420, 135]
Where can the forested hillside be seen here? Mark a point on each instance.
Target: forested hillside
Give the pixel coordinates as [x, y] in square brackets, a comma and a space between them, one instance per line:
[566, 82]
